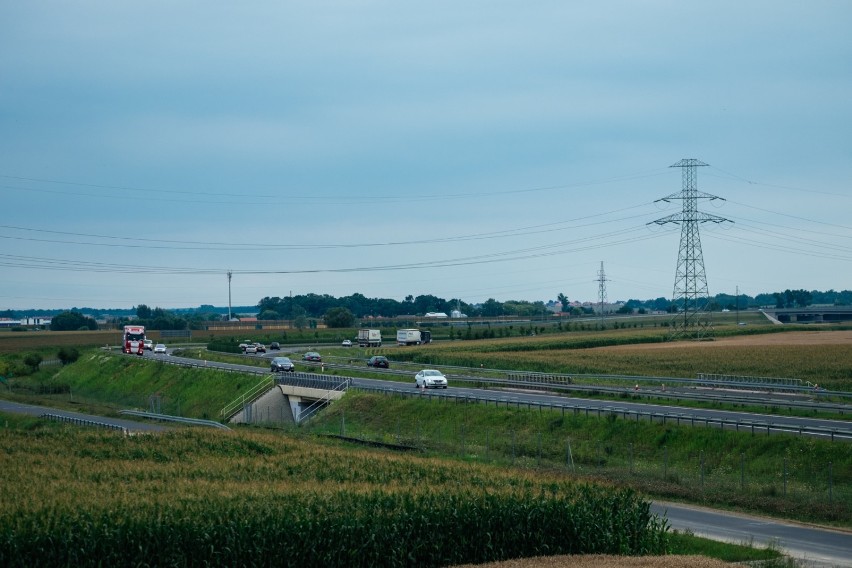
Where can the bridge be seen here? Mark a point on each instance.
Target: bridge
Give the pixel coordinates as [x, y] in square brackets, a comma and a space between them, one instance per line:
[286, 397]
[810, 314]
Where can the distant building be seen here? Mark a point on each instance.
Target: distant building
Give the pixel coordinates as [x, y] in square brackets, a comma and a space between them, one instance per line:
[438, 315]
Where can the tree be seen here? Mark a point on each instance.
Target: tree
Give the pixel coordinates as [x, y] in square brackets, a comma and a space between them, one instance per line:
[563, 299]
[143, 312]
[67, 355]
[339, 317]
[32, 360]
[300, 322]
[268, 315]
[492, 308]
[72, 321]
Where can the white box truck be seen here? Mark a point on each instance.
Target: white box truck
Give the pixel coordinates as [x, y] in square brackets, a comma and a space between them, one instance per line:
[369, 338]
[413, 337]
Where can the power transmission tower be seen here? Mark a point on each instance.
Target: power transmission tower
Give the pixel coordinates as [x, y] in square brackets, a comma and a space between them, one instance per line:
[602, 291]
[691, 295]
[229, 295]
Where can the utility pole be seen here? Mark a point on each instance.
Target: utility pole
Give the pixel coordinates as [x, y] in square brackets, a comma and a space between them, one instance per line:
[229, 295]
[691, 295]
[738, 304]
[602, 291]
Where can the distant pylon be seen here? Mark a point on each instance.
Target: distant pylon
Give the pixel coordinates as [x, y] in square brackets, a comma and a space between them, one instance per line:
[691, 295]
[229, 296]
[602, 291]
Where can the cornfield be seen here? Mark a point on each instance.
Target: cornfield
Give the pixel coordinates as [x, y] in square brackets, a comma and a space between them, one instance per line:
[84, 498]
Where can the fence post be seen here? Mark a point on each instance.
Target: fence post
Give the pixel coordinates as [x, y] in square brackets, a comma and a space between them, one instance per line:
[569, 459]
[742, 472]
[539, 448]
[830, 484]
[665, 463]
[702, 468]
[785, 477]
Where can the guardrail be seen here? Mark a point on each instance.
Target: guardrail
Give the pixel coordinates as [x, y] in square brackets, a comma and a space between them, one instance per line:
[83, 422]
[251, 395]
[755, 426]
[321, 403]
[170, 418]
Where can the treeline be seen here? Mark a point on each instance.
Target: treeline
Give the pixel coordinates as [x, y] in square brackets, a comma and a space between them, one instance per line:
[309, 307]
[317, 305]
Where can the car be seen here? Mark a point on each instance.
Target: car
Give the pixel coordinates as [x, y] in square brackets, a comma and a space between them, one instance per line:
[282, 364]
[250, 349]
[160, 348]
[378, 361]
[347, 343]
[246, 343]
[149, 344]
[312, 356]
[430, 378]
[260, 347]
[274, 346]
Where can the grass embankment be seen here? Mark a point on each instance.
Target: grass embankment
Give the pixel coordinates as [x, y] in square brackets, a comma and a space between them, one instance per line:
[193, 497]
[780, 475]
[103, 383]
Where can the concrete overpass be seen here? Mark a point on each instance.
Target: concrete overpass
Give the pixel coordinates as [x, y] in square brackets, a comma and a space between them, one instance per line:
[291, 398]
[810, 314]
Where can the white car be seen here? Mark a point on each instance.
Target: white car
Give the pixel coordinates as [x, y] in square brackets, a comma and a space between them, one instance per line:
[149, 344]
[160, 348]
[430, 378]
[347, 343]
[250, 349]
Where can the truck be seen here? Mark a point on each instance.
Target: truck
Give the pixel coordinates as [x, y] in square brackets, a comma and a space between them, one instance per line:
[133, 339]
[413, 336]
[369, 338]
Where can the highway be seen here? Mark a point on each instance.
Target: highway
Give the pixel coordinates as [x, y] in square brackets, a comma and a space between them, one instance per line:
[523, 397]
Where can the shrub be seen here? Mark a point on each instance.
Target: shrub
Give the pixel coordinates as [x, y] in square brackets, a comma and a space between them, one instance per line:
[33, 360]
[68, 355]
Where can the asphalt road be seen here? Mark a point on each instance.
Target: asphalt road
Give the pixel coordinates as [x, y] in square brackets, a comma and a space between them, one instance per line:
[130, 425]
[698, 415]
[815, 545]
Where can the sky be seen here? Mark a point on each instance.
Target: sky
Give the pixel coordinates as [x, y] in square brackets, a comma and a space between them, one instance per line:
[468, 150]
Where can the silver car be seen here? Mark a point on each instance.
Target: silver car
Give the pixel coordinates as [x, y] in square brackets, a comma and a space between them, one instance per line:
[430, 378]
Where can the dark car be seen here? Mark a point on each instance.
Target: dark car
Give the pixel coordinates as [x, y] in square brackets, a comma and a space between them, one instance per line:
[274, 346]
[378, 361]
[312, 356]
[282, 364]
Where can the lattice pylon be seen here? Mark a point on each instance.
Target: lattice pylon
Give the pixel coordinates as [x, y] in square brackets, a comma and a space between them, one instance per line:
[691, 294]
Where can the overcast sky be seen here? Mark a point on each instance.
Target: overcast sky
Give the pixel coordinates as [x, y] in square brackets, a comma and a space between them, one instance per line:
[463, 149]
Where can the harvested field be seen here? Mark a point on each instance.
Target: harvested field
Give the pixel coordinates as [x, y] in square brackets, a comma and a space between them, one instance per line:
[793, 338]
